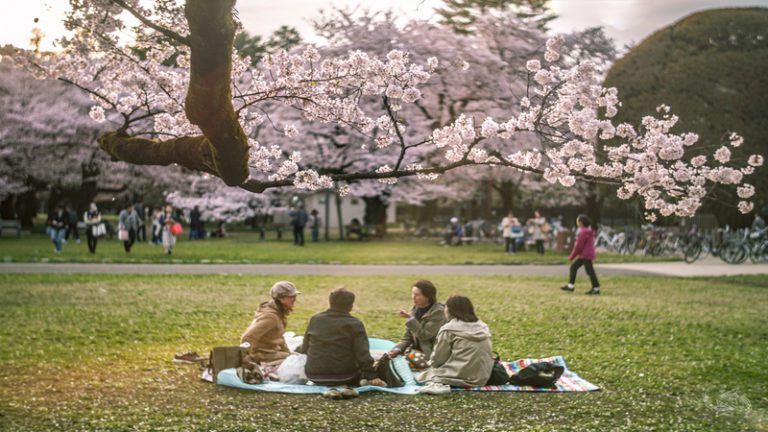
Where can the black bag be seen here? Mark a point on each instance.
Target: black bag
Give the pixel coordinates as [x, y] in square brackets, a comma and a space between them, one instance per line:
[499, 375]
[386, 372]
[543, 375]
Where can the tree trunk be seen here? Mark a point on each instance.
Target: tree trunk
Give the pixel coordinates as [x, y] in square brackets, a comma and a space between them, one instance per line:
[339, 217]
[327, 221]
[376, 212]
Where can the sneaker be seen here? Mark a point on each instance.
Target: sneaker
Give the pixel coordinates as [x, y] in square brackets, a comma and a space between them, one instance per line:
[434, 388]
[567, 288]
[349, 393]
[188, 358]
[594, 291]
[332, 394]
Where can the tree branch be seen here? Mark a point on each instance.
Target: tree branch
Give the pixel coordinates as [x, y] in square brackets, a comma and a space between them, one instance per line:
[169, 33]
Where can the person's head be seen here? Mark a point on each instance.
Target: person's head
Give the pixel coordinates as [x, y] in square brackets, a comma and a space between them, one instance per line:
[536, 214]
[284, 293]
[313, 212]
[460, 308]
[511, 214]
[341, 300]
[454, 220]
[423, 293]
[129, 207]
[168, 209]
[93, 207]
[583, 221]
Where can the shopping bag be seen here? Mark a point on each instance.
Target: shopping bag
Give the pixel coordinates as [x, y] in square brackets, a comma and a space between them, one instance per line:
[291, 371]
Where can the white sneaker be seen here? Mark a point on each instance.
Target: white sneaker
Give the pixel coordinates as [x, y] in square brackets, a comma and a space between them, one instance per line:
[434, 388]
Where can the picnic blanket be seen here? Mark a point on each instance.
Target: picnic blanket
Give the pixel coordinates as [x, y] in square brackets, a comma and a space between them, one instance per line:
[568, 382]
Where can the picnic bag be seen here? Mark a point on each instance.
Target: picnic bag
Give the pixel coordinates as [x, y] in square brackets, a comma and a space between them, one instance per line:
[544, 375]
[499, 375]
[385, 371]
[225, 358]
[416, 359]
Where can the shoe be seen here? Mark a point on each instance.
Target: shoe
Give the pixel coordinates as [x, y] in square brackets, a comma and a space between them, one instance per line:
[349, 393]
[567, 288]
[434, 388]
[594, 291]
[376, 382]
[188, 358]
[332, 394]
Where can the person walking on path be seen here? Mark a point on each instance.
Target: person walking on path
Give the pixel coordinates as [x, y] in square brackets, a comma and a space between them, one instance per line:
[166, 221]
[92, 219]
[299, 220]
[128, 220]
[584, 252]
[314, 224]
[538, 228]
[57, 226]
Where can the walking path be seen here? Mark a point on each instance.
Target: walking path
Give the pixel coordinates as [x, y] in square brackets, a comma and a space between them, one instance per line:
[707, 267]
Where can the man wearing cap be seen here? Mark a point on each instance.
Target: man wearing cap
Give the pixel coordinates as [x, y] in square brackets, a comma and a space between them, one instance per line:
[265, 334]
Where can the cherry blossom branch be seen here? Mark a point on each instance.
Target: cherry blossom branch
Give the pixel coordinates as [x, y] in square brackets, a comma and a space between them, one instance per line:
[160, 29]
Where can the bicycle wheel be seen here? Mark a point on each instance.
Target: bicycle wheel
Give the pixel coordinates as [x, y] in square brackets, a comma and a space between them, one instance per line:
[734, 253]
[692, 252]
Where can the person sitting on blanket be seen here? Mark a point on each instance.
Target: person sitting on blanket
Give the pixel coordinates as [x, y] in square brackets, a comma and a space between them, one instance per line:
[463, 355]
[424, 321]
[336, 345]
[265, 334]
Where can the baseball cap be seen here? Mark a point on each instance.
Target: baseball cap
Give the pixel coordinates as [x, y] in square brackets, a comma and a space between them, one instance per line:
[283, 289]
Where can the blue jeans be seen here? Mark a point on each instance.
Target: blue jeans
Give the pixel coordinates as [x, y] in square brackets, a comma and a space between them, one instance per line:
[57, 235]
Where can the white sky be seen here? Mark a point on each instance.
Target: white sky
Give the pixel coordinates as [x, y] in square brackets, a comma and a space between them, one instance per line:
[625, 20]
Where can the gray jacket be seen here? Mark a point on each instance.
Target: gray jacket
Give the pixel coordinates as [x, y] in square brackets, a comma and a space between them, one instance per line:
[129, 221]
[463, 355]
[421, 334]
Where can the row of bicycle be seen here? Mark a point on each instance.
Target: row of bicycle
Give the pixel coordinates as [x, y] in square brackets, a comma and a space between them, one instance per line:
[732, 246]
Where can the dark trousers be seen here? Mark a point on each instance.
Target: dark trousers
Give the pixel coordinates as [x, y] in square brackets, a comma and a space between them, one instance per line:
[141, 235]
[127, 244]
[589, 269]
[72, 229]
[298, 235]
[540, 247]
[91, 239]
[510, 244]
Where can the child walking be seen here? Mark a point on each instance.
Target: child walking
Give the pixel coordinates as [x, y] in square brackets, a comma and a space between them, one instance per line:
[584, 252]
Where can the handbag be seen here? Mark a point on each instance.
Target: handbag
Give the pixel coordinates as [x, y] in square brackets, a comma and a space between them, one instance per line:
[499, 375]
[385, 371]
[543, 375]
[99, 230]
[122, 234]
[225, 358]
[416, 359]
[176, 229]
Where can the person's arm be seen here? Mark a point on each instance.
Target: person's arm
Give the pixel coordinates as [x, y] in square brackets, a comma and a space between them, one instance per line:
[264, 323]
[405, 342]
[362, 351]
[442, 351]
[579, 246]
[426, 329]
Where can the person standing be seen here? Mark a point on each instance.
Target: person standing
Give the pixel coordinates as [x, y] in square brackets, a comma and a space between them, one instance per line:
[314, 224]
[57, 228]
[72, 221]
[92, 219]
[299, 220]
[584, 252]
[129, 221]
[141, 212]
[537, 225]
[194, 224]
[509, 227]
[166, 221]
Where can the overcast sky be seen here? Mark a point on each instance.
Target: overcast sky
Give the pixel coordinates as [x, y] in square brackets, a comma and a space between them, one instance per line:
[625, 20]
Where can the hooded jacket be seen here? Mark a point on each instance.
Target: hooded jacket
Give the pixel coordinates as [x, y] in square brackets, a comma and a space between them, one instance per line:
[462, 356]
[585, 245]
[265, 334]
[421, 334]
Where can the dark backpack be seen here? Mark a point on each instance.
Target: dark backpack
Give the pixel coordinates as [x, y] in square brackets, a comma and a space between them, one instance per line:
[543, 375]
[386, 372]
[499, 375]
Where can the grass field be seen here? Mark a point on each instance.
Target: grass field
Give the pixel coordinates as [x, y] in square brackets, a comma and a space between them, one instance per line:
[93, 353]
[245, 247]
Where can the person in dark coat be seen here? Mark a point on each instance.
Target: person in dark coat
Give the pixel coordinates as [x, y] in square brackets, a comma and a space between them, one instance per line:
[336, 345]
[299, 218]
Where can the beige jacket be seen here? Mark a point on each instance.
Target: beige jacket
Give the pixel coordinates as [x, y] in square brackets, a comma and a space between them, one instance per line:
[265, 334]
[421, 335]
[463, 355]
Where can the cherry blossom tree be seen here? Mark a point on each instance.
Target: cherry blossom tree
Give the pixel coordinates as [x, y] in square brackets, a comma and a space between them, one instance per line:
[203, 111]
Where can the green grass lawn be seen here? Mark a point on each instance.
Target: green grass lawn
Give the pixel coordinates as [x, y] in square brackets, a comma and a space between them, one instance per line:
[93, 353]
[245, 247]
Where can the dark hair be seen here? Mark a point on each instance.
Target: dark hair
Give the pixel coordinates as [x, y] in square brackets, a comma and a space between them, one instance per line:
[461, 308]
[427, 289]
[584, 220]
[341, 299]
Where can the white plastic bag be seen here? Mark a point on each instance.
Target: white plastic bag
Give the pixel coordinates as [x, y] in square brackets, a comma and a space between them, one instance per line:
[292, 340]
[291, 371]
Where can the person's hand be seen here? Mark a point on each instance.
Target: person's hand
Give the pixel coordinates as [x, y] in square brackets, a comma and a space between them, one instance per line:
[404, 314]
[393, 352]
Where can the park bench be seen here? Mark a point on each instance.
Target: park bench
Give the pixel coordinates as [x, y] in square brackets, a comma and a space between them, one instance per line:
[10, 225]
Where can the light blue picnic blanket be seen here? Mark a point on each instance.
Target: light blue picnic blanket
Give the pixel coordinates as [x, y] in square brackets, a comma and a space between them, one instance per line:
[568, 382]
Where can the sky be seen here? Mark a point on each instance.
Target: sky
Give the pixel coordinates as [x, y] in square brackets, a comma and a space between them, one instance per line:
[626, 21]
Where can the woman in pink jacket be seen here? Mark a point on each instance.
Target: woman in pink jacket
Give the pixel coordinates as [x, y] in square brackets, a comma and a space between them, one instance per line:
[584, 252]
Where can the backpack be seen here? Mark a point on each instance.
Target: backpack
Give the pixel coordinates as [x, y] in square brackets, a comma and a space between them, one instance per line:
[543, 375]
[499, 375]
[225, 358]
[386, 371]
